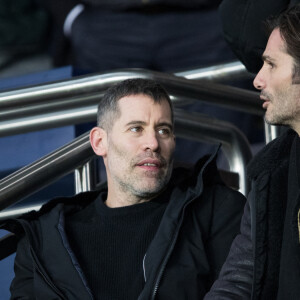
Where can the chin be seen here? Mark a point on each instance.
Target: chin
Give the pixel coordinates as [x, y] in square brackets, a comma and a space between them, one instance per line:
[149, 191]
[270, 119]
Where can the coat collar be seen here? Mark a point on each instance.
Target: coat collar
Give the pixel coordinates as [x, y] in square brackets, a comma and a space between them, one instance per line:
[182, 193]
[272, 156]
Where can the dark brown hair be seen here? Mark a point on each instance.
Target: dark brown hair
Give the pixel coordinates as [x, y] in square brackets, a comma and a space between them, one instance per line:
[288, 23]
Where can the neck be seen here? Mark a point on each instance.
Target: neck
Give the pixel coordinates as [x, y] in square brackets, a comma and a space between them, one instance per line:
[119, 197]
[120, 201]
[297, 128]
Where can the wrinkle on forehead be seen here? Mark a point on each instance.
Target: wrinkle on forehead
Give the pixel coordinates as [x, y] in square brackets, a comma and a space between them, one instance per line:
[275, 41]
[142, 108]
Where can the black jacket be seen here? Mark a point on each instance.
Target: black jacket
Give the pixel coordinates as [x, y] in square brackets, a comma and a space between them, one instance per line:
[257, 256]
[185, 256]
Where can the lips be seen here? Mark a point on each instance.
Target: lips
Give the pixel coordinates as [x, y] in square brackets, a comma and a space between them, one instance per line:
[265, 104]
[150, 162]
[266, 101]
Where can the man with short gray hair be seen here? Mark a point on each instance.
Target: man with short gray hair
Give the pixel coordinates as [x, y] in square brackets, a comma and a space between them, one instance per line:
[153, 233]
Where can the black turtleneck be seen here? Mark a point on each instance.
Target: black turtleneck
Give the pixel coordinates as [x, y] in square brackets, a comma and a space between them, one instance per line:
[110, 244]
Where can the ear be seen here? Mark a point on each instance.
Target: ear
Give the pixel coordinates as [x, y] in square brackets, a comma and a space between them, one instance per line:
[98, 140]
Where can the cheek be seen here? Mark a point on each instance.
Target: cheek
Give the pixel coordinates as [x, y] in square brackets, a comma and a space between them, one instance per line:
[283, 92]
[168, 147]
[122, 153]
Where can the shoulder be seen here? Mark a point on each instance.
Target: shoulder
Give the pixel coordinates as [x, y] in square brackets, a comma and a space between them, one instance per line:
[221, 199]
[74, 202]
[213, 194]
[203, 172]
[49, 212]
[225, 198]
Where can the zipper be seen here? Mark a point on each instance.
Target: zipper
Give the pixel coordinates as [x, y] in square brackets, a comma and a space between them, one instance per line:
[163, 266]
[144, 267]
[51, 285]
[72, 256]
[162, 269]
[45, 277]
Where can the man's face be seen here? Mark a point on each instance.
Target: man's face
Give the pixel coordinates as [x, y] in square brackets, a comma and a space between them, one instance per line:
[140, 147]
[280, 95]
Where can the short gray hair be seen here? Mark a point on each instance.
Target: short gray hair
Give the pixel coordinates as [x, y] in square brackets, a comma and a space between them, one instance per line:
[108, 109]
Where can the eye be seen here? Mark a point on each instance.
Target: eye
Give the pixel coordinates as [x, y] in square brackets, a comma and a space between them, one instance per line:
[270, 64]
[164, 131]
[136, 129]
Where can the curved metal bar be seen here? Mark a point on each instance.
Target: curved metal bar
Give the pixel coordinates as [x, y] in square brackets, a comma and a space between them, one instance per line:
[84, 178]
[62, 161]
[271, 132]
[234, 143]
[89, 83]
[15, 212]
[76, 100]
[44, 171]
[48, 120]
[88, 86]
[94, 84]
[220, 73]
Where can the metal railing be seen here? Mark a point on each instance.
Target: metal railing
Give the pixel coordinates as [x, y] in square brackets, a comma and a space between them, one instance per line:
[225, 72]
[44, 171]
[76, 100]
[57, 164]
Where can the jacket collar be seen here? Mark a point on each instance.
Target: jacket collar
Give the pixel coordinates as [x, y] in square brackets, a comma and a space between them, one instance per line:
[187, 190]
[272, 156]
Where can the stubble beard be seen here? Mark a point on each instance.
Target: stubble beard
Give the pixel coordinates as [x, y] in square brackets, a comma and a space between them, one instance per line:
[143, 186]
[140, 187]
[279, 113]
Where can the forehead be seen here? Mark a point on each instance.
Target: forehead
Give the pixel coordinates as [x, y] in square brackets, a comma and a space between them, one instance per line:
[143, 107]
[276, 47]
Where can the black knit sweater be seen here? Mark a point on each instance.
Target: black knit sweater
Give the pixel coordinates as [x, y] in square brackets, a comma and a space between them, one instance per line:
[110, 244]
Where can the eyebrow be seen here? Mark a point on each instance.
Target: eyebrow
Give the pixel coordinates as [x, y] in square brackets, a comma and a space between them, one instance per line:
[268, 58]
[136, 122]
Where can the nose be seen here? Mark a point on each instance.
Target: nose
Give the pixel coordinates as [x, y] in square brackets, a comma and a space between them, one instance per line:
[151, 142]
[259, 82]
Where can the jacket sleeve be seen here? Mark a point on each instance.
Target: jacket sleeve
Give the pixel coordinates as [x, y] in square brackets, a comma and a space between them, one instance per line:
[243, 28]
[22, 284]
[235, 279]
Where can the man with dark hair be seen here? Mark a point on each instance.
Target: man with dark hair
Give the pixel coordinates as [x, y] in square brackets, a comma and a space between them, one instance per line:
[263, 262]
[243, 24]
[153, 233]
